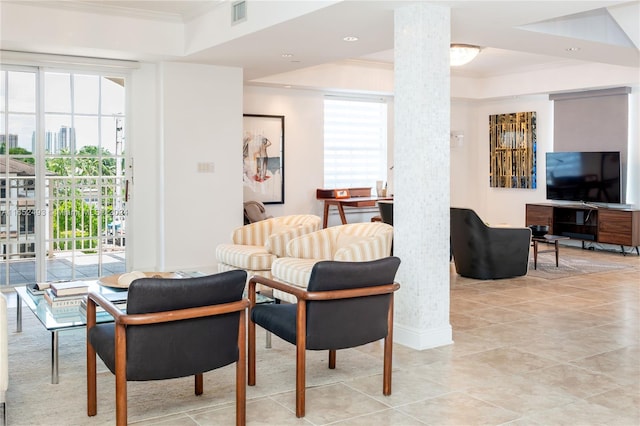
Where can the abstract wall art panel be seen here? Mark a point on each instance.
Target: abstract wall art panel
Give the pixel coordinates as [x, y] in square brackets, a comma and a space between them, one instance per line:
[512, 150]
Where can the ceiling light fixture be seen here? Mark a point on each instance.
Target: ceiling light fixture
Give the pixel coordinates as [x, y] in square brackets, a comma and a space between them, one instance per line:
[287, 55]
[350, 38]
[572, 49]
[461, 54]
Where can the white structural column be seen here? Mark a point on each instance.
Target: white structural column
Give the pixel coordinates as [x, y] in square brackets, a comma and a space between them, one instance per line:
[421, 175]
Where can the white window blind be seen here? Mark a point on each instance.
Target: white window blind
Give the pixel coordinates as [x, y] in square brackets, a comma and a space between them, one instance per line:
[355, 142]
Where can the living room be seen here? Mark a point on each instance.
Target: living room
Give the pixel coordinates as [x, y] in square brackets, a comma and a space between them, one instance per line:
[185, 113]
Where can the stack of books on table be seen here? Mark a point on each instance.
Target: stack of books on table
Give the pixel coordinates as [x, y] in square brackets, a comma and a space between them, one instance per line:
[118, 298]
[66, 294]
[38, 288]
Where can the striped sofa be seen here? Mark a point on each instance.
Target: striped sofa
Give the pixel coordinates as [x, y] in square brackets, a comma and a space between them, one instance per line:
[255, 246]
[354, 242]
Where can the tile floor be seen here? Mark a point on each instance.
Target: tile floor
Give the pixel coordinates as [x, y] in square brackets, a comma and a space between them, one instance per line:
[527, 351]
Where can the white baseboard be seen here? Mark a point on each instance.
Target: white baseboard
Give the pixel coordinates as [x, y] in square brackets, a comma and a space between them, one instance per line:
[420, 339]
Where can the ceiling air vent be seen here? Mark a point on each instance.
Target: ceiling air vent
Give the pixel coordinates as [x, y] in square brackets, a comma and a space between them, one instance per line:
[238, 11]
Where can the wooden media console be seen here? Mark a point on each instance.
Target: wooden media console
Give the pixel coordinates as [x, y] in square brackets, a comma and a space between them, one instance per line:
[606, 225]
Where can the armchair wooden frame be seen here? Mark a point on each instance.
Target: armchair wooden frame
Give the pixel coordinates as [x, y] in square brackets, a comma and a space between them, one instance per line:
[122, 320]
[302, 296]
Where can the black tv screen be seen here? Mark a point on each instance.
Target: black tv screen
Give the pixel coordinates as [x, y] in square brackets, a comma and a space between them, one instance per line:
[584, 176]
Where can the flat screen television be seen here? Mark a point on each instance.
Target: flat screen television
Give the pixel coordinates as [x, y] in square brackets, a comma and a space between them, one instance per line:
[588, 177]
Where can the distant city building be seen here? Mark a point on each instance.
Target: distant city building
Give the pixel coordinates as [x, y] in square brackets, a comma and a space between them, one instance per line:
[13, 141]
[64, 138]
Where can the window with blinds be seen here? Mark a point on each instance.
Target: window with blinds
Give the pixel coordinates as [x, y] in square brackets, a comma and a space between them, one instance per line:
[355, 142]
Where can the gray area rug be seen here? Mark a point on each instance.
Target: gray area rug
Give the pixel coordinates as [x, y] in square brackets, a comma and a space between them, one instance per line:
[569, 265]
[33, 400]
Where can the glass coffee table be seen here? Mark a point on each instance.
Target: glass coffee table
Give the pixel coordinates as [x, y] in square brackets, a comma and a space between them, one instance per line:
[56, 320]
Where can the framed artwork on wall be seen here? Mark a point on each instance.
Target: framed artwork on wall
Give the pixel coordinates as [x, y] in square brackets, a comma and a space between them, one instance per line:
[512, 150]
[263, 158]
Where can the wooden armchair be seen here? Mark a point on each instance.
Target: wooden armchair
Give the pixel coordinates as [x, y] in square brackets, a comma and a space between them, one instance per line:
[172, 328]
[346, 304]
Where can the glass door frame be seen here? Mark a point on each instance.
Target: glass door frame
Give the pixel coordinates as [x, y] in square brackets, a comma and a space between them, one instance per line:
[42, 240]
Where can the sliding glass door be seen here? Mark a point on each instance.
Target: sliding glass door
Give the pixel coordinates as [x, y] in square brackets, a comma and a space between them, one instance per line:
[18, 170]
[63, 195]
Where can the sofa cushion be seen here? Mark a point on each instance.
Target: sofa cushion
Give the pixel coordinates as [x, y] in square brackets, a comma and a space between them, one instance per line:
[245, 257]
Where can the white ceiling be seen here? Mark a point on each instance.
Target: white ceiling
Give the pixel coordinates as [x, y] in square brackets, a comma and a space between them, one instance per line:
[496, 26]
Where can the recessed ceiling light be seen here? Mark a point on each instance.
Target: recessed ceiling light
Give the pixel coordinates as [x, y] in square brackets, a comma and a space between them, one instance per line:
[572, 49]
[287, 55]
[350, 38]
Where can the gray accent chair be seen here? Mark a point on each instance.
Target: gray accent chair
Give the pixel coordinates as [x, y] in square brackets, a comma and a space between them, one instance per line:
[386, 211]
[346, 304]
[172, 328]
[386, 214]
[484, 252]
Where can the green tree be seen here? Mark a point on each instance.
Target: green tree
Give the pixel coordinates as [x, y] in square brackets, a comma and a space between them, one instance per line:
[75, 210]
[88, 162]
[75, 218]
[19, 151]
[60, 165]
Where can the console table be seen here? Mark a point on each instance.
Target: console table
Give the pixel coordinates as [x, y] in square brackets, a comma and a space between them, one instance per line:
[606, 225]
[358, 198]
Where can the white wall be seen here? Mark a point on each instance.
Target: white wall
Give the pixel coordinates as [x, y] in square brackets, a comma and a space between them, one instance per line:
[180, 215]
[304, 148]
[303, 143]
[143, 169]
[504, 205]
[469, 160]
[183, 114]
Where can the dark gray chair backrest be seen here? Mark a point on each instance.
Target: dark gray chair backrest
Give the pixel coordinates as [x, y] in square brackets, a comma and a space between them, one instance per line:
[182, 348]
[386, 211]
[346, 323]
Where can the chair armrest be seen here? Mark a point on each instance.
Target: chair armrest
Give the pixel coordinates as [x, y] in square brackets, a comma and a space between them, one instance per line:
[286, 288]
[351, 292]
[303, 294]
[277, 241]
[253, 234]
[94, 299]
[164, 316]
[182, 314]
[500, 233]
